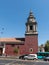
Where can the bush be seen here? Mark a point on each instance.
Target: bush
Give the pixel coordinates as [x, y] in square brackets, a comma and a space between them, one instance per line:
[16, 50]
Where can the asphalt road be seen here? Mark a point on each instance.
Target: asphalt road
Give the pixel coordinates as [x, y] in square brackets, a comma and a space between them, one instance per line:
[22, 62]
[6, 62]
[31, 62]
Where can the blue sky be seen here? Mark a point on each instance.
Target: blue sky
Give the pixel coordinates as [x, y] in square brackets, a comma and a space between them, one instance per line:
[14, 13]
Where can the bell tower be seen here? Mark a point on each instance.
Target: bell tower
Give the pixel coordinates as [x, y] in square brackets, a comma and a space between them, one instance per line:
[31, 25]
[31, 34]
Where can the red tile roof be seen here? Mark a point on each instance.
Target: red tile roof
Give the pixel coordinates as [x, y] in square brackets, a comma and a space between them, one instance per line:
[10, 40]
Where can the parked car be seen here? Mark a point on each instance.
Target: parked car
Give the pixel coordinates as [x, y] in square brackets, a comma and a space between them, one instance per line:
[22, 56]
[30, 57]
[46, 58]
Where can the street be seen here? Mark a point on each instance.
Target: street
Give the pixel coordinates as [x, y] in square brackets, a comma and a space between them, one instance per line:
[5, 62]
[22, 62]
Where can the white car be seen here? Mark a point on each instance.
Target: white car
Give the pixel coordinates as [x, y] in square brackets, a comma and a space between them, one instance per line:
[31, 57]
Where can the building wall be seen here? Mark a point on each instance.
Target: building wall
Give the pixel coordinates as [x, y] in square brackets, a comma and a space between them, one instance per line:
[9, 49]
[31, 42]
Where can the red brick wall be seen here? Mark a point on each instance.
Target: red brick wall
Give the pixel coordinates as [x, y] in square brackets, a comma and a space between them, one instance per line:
[31, 42]
[10, 49]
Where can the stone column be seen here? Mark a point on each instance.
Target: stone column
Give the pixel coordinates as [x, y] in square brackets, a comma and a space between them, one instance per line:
[4, 49]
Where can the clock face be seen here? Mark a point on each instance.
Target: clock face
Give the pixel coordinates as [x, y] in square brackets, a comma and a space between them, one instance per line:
[30, 19]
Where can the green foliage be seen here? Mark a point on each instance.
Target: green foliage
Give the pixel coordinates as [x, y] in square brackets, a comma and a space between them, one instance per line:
[47, 46]
[15, 50]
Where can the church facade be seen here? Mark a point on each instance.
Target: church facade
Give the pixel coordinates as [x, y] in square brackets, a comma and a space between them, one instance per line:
[20, 46]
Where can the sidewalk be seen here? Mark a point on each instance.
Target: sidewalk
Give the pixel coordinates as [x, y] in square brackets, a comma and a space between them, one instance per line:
[9, 57]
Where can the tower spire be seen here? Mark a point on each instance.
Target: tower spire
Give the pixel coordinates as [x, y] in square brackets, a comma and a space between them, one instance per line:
[31, 14]
[31, 24]
[31, 17]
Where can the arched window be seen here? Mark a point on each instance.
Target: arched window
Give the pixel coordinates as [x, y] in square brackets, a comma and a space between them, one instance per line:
[31, 50]
[31, 27]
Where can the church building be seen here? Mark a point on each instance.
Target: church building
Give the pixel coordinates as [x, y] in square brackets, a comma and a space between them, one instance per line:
[20, 46]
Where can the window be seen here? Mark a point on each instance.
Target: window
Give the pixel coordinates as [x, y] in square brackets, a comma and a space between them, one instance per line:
[31, 50]
[31, 27]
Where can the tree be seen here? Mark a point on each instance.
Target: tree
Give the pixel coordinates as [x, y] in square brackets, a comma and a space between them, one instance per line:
[47, 46]
[16, 50]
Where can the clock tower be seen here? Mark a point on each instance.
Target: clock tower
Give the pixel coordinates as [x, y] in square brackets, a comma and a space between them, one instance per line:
[31, 35]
